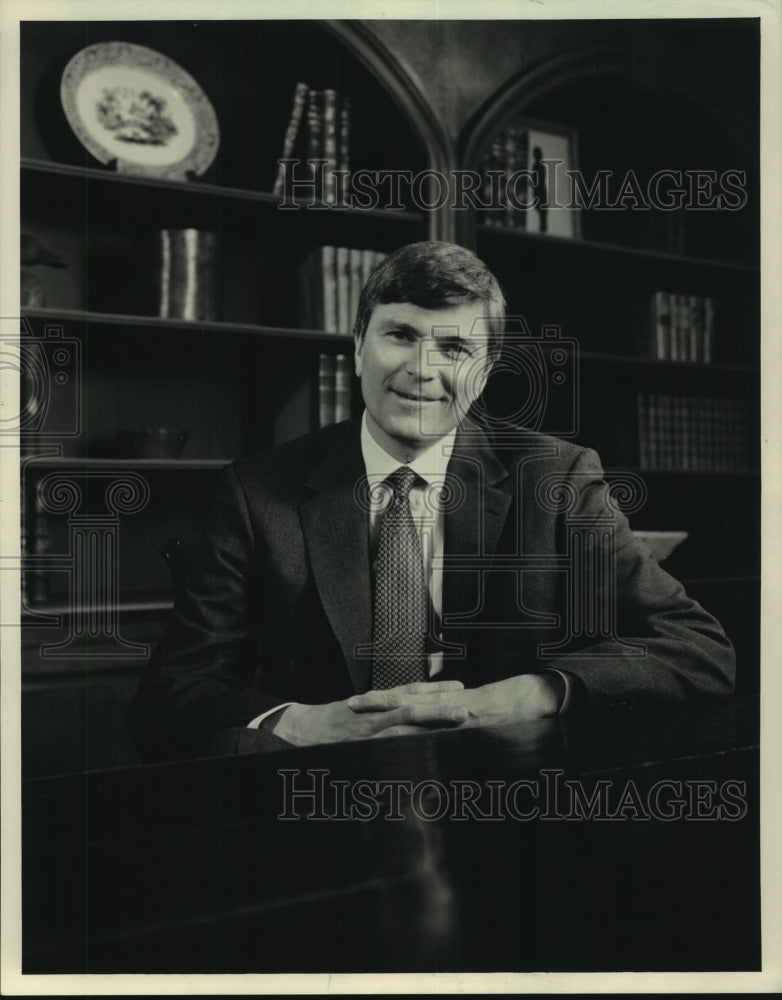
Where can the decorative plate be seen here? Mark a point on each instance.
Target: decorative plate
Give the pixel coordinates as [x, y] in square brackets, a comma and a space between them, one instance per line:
[131, 104]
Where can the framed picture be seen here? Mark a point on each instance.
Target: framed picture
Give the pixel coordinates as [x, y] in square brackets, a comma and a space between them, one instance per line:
[526, 178]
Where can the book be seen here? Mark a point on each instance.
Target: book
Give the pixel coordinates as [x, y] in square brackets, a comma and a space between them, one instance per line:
[693, 433]
[665, 421]
[326, 390]
[329, 289]
[695, 315]
[684, 328]
[708, 329]
[687, 433]
[680, 327]
[38, 544]
[342, 375]
[493, 188]
[315, 140]
[334, 389]
[709, 425]
[327, 141]
[673, 431]
[343, 152]
[343, 290]
[643, 431]
[330, 145]
[318, 290]
[675, 328]
[698, 432]
[356, 283]
[660, 326]
[677, 432]
[330, 282]
[653, 431]
[519, 146]
[291, 133]
[725, 435]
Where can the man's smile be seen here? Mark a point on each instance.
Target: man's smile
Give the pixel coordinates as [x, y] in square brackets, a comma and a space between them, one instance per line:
[413, 398]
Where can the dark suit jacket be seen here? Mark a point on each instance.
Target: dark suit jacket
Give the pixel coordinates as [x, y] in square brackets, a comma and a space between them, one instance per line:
[279, 600]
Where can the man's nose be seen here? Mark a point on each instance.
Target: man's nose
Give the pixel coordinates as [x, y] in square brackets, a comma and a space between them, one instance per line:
[426, 362]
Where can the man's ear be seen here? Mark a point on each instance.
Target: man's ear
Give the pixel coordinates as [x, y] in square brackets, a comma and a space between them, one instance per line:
[359, 348]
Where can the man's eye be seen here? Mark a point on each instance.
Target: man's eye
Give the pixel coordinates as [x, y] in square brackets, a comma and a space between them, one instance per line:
[402, 335]
[454, 348]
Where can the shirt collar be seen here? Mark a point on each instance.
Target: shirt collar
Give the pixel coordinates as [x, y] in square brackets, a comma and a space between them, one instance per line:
[431, 466]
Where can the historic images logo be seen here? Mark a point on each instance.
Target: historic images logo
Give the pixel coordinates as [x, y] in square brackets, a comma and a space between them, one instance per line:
[314, 795]
[553, 187]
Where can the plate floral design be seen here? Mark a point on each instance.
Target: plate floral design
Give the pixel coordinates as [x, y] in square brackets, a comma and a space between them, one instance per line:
[135, 106]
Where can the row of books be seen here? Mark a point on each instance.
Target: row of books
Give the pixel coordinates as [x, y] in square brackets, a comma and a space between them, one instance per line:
[319, 128]
[697, 433]
[330, 280]
[334, 375]
[681, 327]
[35, 540]
[508, 154]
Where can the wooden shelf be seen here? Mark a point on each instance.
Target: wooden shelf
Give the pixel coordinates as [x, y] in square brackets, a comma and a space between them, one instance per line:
[576, 245]
[87, 462]
[53, 315]
[201, 189]
[704, 473]
[33, 613]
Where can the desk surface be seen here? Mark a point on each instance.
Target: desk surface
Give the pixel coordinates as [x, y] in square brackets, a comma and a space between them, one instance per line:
[617, 842]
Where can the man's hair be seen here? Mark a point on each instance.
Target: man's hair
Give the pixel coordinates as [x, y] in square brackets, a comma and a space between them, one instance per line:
[435, 275]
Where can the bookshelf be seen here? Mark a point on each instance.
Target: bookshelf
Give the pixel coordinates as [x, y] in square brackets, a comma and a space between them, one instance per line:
[247, 377]
[242, 379]
[599, 286]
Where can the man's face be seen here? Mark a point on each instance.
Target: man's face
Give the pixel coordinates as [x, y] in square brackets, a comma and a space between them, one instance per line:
[420, 370]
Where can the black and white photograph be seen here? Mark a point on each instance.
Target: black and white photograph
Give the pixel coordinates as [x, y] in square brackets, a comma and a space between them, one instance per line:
[389, 497]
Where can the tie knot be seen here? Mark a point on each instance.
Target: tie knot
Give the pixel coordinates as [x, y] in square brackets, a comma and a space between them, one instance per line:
[402, 481]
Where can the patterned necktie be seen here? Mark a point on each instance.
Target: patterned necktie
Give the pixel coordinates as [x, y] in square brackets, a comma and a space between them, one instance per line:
[400, 592]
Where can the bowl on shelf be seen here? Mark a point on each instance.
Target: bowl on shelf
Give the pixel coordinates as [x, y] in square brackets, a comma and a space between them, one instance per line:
[662, 543]
[153, 442]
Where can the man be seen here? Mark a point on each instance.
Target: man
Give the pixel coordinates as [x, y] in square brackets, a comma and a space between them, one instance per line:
[402, 571]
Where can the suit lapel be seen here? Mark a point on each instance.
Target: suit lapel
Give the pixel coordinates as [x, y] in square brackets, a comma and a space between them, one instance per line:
[482, 497]
[335, 527]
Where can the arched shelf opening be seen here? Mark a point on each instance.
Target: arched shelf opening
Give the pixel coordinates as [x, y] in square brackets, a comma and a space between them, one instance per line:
[428, 132]
[624, 124]
[249, 70]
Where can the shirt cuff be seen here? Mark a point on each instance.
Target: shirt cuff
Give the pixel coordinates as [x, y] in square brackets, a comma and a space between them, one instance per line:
[568, 690]
[256, 722]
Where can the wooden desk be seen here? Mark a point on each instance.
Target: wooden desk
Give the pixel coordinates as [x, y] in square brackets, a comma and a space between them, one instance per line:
[188, 867]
